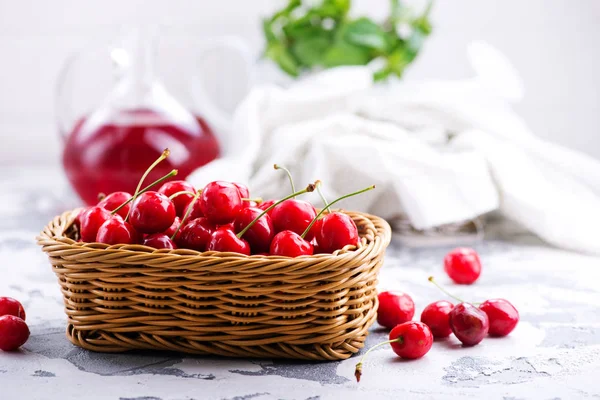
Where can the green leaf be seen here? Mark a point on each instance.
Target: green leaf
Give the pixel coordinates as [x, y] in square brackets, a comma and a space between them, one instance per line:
[366, 33]
[344, 53]
[284, 58]
[311, 50]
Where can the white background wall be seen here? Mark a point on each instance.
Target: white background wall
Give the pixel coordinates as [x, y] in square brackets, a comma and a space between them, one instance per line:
[553, 43]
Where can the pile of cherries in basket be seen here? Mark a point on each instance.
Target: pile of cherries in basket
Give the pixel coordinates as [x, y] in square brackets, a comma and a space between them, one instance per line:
[220, 217]
[468, 322]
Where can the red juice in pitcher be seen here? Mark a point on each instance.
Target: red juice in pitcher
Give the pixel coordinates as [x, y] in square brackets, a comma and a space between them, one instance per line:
[104, 157]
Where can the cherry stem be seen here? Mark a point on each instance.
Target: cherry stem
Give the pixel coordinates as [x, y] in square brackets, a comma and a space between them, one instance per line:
[289, 174]
[164, 155]
[318, 185]
[256, 199]
[332, 203]
[430, 279]
[171, 197]
[147, 188]
[309, 188]
[358, 369]
[188, 211]
[101, 196]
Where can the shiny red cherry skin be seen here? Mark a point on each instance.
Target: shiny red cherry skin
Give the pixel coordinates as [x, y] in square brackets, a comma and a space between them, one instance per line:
[503, 316]
[225, 240]
[14, 332]
[195, 234]
[117, 231]
[463, 265]
[293, 215]
[243, 189]
[90, 220]
[220, 202]
[312, 234]
[195, 212]
[437, 317]
[260, 234]
[337, 231]
[10, 306]
[114, 200]
[290, 244]
[173, 228]
[159, 241]
[414, 340]
[180, 202]
[152, 212]
[266, 204]
[469, 324]
[394, 308]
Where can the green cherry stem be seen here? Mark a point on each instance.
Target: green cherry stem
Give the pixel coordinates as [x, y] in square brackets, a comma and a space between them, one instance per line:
[289, 175]
[318, 185]
[430, 279]
[358, 369]
[147, 188]
[188, 211]
[309, 188]
[332, 203]
[163, 156]
[171, 197]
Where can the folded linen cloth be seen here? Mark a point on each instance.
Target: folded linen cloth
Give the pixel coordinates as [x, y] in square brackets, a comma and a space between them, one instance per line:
[439, 152]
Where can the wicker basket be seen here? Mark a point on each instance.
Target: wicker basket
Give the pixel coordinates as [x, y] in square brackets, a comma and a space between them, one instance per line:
[125, 297]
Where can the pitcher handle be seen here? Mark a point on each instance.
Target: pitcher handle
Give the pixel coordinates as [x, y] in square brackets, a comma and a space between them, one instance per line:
[219, 118]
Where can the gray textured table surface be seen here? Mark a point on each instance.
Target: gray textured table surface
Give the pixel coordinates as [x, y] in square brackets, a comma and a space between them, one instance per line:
[553, 354]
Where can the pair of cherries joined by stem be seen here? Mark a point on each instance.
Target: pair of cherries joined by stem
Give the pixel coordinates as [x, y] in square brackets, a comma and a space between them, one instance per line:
[469, 323]
[14, 331]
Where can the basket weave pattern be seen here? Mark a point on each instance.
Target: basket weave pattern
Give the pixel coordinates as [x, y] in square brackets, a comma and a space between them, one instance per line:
[125, 297]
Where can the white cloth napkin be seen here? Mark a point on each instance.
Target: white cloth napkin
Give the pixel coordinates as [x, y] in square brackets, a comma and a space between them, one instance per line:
[340, 127]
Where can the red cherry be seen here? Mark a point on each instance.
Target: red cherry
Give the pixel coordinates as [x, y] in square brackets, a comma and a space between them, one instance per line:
[394, 308]
[266, 204]
[195, 234]
[220, 202]
[293, 215]
[337, 230]
[159, 241]
[462, 265]
[181, 201]
[312, 234]
[196, 212]
[243, 189]
[173, 228]
[10, 306]
[14, 332]
[114, 200]
[117, 231]
[90, 220]
[437, 317]
[260, 234]
[152, 212]
[410, 340]
[413, 339]
[225, 240]
[502, 314]
[290, 244]
[469, 324]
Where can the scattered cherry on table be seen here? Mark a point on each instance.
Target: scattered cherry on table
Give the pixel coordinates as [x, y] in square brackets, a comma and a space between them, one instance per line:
[463, 265]
[10, 306]
[394, 308]
[410, 340]
[502, 315]
[437, 317]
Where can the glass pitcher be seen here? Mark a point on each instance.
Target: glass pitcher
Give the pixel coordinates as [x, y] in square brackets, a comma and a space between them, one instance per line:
[115, 116]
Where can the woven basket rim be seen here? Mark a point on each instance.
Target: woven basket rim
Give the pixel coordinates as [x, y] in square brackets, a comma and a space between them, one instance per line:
[54, 234]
